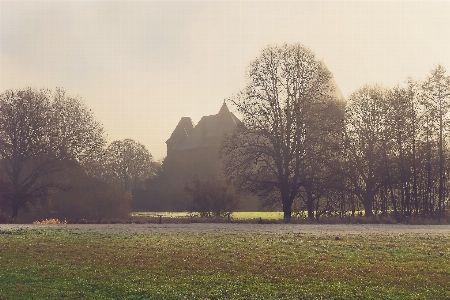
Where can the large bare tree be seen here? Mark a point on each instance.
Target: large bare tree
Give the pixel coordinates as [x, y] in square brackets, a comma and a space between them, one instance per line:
[285, 109]
[436, 99]
[41, 133]
[364, 147]
[127, 163]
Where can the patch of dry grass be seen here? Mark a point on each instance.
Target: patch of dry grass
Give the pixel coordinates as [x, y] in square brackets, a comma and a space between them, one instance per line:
[50, 221]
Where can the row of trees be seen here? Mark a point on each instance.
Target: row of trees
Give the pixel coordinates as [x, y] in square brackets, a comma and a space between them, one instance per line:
[126, 165]
[382, 150]
[395, 149]
[53, 158]
[41, 135]
[302, 146]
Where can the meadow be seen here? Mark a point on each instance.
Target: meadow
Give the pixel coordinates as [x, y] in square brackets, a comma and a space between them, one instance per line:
[186, 262]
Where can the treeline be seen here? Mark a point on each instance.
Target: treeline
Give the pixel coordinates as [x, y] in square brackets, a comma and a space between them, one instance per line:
[302, 147]
[383, 150]
[393, 154]
[55, 161]
[395, 149]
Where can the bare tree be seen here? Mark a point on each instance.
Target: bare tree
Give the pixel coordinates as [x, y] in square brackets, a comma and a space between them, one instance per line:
[127, 163]
[74, 131]
[288, 98]
[212, 196]
[436, 99]
[398, 146]
[364, 144]
[38, 138]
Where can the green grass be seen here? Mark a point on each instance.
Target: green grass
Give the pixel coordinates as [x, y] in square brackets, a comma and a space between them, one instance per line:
[163, 214]
[268, 215]
[235, 215]
[57, 264]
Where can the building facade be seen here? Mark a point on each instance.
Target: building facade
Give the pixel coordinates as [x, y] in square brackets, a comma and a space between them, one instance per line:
[195, 150]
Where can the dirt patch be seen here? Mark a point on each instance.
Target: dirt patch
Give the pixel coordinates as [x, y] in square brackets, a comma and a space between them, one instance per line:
[242, 228]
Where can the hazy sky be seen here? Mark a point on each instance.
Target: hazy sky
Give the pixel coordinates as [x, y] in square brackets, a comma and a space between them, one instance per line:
[141, 66]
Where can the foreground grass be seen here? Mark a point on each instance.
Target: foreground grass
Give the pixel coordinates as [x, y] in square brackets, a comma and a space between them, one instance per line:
[56, 264]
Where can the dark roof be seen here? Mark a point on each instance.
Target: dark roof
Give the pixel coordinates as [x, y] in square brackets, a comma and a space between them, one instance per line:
[337, 91]
[181, 132]
[208, 127]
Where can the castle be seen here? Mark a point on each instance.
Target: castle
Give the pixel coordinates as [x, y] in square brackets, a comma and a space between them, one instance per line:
[195, 150]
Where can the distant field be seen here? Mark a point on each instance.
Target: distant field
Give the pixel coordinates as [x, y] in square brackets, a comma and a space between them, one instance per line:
[235, 215]
[224, 261]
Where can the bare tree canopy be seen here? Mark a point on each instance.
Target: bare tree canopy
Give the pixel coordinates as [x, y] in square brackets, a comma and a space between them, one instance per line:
[288, 108]
[436, 98]
[42, 133]
[366, 120]
[127, 163]
[75, 132]
[394, 147]
[212, 197]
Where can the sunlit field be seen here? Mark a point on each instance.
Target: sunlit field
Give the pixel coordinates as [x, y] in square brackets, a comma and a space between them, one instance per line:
[277, 217]
[195, 264]
[235, 215]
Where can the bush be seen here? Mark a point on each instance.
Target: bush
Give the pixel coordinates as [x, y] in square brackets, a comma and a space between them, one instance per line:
[212, 197]
[93, 200]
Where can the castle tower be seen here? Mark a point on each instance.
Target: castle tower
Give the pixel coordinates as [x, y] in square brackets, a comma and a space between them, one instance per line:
[196, 150]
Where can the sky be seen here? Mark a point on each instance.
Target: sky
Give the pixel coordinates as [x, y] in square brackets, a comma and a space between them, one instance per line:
[142, 65]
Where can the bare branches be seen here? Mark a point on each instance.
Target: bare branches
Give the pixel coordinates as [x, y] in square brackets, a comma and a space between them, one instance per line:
[212, 196]
[285, 110]
[127, 163]
[41, 135]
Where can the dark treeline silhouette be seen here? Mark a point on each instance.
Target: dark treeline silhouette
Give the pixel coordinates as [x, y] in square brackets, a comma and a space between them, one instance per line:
[300, 147]
[381, 151]
[54, 164]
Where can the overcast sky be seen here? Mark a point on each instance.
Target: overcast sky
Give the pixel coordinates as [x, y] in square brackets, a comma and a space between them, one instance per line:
[141, 66]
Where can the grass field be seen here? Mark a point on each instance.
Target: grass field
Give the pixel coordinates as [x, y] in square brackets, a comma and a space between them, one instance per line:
[235, 215]
[62, 264]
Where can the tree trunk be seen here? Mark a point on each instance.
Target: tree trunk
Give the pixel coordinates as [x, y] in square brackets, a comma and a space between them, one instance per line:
[368, 205]
[389, 180]
[287, 210]
[287, 215]
[416, 200]
[310, 204]
[15, 212]
[413, 123]
[441, 163]
[368, 212]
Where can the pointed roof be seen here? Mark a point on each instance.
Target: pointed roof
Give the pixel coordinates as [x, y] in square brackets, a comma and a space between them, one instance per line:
[225, 121]
[337, 91]
[208, 127]
[181, 132]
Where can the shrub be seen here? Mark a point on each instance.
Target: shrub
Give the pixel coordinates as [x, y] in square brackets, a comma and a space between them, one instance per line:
[93, 200]
[212, 197]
